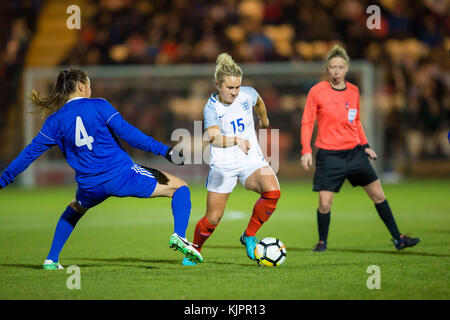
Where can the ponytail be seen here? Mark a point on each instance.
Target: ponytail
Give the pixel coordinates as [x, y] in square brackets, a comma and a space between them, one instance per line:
[66, 84]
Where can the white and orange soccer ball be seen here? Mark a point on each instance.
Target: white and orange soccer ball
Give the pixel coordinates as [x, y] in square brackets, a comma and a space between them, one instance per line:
[270, 252]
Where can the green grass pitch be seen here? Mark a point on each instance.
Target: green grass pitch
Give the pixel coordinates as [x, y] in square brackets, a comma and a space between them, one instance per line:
[122, 250]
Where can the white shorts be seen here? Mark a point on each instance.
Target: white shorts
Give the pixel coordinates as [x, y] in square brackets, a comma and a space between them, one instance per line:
[223, 178]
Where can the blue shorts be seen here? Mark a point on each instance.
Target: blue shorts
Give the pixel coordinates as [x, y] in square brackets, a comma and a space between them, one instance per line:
[139, 182]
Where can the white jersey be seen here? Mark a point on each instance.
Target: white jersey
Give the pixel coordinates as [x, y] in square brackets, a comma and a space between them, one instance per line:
[234, 119]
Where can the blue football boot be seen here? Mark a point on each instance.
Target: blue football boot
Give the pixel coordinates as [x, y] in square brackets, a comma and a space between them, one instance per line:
[250, 245]
[187, 262]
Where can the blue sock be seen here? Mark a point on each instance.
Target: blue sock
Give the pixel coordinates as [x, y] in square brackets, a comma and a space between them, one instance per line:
[64, 228]
[181, 209]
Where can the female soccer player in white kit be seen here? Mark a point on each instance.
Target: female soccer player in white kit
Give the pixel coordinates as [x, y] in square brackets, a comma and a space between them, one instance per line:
[235, 154]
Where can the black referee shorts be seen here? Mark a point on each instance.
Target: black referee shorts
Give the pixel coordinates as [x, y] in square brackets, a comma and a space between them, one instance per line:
[333, 166]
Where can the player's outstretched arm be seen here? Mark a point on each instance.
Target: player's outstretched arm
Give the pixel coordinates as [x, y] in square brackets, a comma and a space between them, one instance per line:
[135, 137]
[31, 152]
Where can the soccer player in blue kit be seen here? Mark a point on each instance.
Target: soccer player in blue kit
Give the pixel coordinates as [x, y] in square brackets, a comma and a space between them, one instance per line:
[86, 130]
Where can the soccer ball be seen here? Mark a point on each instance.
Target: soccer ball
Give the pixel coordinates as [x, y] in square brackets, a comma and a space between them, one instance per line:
[270, 252]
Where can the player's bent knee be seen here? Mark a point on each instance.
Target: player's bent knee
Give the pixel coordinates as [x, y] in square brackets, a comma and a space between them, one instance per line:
[378, 198]
[325, 203]
[325, 206]
[168, 190]
[177, 186]
[214, 217]
[214, 220]
[377, 195]
[182, 183]
[75, 206]
[324, 210]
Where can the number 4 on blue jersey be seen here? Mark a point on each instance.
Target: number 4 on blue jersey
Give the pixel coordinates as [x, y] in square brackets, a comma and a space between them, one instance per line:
[81, 136]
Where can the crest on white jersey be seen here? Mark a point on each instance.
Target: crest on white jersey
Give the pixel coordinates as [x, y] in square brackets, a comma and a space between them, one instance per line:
[245, 105]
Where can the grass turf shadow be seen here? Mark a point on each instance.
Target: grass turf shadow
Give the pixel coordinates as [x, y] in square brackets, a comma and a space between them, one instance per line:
[22, 265]
[397, 253]
[117, 260]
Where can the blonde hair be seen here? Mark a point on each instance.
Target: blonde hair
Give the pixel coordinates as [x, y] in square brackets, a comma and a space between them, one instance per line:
[225, 66]
[337, 51]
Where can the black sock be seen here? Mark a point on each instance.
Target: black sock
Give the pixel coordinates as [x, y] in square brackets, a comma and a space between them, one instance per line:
[385, 213]
[323, 222]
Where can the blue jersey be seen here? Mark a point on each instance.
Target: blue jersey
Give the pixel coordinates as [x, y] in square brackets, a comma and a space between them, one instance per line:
[86, 131]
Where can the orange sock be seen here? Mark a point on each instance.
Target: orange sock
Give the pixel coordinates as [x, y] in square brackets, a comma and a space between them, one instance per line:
[262, 211]
[203, 231]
